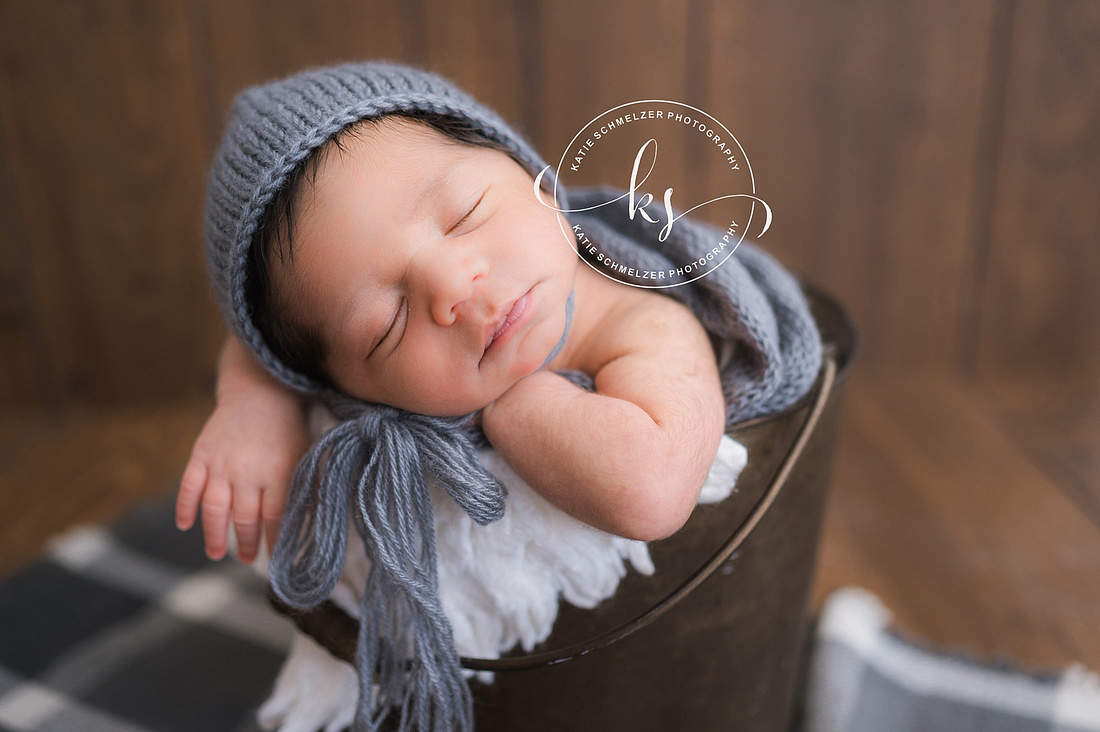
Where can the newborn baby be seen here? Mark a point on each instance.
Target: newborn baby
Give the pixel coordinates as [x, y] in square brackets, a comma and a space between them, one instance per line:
[418, 266]
[376, 241]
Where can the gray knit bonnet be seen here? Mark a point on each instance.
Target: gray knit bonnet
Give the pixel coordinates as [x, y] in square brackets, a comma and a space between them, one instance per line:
[374, 468]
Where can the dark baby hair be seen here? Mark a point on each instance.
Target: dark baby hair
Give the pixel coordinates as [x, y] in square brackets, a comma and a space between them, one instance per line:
[302, 346]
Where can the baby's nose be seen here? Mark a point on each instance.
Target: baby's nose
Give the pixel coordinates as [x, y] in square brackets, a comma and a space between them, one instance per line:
[453, 284]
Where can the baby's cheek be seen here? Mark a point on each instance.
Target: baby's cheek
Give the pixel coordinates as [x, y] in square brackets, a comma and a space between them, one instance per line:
[431, 388]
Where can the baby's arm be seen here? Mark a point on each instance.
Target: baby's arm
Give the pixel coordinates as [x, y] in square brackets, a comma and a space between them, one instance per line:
[631, 457]
[244, 458]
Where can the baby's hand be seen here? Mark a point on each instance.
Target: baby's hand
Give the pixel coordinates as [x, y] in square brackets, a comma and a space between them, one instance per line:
[242, 464]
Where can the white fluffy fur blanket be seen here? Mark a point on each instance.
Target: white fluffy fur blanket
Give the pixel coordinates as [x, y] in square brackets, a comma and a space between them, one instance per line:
[499, 584]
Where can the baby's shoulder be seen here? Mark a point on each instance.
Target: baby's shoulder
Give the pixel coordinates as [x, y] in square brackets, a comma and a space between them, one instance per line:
[649, 308]
[646, 322]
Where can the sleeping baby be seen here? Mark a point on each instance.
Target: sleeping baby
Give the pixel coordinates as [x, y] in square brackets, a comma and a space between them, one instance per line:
[377, 240]
[417, 268]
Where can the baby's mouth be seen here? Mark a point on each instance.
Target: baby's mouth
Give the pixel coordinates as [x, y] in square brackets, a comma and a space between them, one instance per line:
[518, 312]
[500, 327]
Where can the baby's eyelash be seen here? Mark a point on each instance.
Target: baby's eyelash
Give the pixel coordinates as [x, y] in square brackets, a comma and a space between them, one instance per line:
[396, 318]
[463, 219]
[468, 214]
[393, 324]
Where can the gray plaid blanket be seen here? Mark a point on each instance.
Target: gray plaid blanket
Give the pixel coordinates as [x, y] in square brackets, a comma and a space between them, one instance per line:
[865, 677]
[130, 628]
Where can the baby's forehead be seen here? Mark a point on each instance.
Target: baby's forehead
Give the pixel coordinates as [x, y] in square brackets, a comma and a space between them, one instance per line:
[393, 149]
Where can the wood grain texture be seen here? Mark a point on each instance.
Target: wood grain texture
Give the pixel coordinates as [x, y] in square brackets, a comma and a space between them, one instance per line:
[861, 121]
[23, 379]
[252, 41]
[86, 465]
[103, 142]
[487, 60]
[971, 545]
[1055, 421]
[1039, 303]
[601, 55]
[932, 164]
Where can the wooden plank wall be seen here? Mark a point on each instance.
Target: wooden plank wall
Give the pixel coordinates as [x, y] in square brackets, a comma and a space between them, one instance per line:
[935, 165]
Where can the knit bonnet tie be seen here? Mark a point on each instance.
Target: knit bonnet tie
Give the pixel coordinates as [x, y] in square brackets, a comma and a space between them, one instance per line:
[376, 467]
[376, 462]
[568, 322]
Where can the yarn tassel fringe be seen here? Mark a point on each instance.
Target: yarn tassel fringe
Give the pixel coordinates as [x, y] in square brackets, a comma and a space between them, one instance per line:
[379, 459]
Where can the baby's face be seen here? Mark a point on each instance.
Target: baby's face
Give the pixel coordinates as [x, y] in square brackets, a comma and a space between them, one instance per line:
[409, 251]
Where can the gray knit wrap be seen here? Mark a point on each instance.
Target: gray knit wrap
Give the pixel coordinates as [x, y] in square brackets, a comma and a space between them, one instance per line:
[376, 465]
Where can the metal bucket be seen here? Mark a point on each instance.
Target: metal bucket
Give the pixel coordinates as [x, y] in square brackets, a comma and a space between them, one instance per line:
[714, 640]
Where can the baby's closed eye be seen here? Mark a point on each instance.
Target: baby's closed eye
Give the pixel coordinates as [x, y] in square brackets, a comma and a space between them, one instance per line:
[466, 217]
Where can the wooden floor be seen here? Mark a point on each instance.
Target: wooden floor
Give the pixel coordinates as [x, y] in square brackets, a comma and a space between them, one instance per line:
[972, 511]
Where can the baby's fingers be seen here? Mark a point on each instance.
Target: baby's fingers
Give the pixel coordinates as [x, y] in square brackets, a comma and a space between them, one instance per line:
[191, 486]
[215, 516]
[246, 520]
